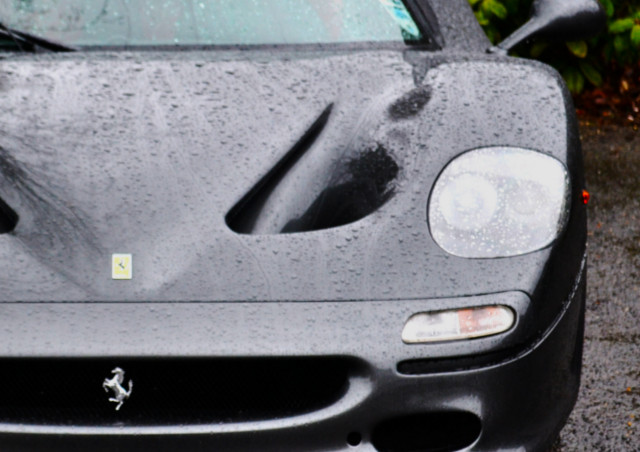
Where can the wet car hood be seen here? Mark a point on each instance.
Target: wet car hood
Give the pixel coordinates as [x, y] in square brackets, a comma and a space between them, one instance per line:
[148, 153]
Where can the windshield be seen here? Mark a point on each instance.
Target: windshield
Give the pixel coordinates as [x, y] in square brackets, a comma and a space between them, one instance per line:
[108, 23]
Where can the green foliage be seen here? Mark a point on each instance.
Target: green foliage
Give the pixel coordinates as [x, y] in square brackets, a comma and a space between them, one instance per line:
[580, 62]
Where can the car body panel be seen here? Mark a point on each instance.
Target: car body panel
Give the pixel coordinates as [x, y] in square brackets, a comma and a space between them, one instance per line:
[93, 171]
[547, 375]
[196, 162]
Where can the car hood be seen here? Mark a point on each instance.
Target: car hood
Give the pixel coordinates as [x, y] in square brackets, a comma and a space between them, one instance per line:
[150, 153]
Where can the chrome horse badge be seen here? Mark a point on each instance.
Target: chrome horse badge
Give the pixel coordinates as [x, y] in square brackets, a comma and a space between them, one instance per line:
[115, 384]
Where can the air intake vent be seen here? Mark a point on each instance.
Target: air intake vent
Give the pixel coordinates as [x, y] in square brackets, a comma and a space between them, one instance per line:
[335, 186]
[445, 431]
[168, 391]
[8, 218]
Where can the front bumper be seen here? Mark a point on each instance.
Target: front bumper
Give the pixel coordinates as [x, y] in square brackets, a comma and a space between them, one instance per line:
[521, 392]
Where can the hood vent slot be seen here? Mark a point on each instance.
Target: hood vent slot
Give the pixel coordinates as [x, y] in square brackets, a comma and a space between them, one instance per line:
[8, 218]
[365, 183]
[244, 215]
[330, 186]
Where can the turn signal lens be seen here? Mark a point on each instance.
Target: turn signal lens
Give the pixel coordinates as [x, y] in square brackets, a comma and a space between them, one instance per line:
[457, 324]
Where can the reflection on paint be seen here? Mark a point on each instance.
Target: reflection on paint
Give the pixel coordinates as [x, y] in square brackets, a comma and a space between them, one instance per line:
[220, 22]
[400, 14]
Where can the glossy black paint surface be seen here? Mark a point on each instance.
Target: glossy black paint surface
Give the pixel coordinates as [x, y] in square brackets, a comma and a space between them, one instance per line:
[94, 170]
[275, 203]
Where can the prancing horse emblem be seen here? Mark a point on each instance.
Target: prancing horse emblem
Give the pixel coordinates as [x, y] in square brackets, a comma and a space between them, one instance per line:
[115, 384]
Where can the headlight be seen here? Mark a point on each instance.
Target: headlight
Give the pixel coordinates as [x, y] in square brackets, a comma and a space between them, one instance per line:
[498, 202]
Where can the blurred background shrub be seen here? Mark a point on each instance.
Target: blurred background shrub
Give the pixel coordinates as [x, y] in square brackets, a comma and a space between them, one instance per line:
[605, 69]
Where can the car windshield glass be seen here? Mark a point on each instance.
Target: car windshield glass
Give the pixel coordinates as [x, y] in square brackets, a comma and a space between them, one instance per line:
[109, 23]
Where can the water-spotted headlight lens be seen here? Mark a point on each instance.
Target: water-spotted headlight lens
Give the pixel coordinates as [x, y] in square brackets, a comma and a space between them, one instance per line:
[498, 202]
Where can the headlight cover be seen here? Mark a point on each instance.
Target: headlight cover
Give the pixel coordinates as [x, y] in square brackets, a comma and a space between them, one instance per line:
[499, 202]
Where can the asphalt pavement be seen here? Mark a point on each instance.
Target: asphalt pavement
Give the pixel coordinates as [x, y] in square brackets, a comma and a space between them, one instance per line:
[607, 414]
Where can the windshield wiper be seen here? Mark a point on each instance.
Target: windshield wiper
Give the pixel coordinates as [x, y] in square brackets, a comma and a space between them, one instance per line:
[28, 42]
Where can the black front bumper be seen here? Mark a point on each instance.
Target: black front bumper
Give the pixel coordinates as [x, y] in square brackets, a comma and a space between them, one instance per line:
[496, 394]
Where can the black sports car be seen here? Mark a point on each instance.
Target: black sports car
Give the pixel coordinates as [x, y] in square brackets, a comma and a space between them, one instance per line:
[286, 225]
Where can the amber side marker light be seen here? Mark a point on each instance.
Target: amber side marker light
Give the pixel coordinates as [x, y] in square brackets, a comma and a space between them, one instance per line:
[585, 197]
[457, 324]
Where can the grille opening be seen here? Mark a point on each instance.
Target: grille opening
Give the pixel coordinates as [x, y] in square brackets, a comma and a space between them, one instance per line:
[169, 391]
[447, 431]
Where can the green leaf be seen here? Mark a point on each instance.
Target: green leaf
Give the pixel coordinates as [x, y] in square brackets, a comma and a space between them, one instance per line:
[498, 9]
[574, 79]
[635, 35]
[578, 48]
[473, 2]
[591, 73]
[485, 7]
[608, 7]
[621, 25]
[620, 44]
[482, 20]
[608, 51]
[492, 34]
[512, 6]
[537, 48]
